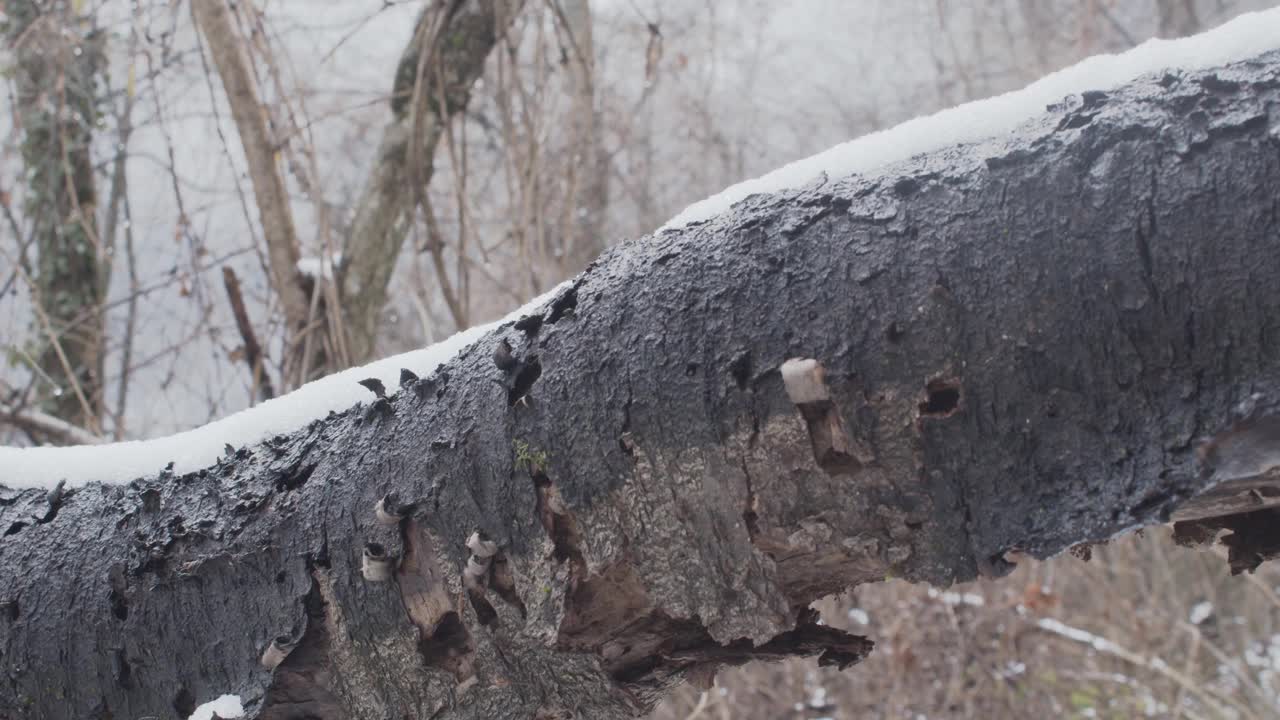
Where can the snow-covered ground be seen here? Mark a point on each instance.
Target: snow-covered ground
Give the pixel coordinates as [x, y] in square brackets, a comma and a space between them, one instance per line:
[1239, 39]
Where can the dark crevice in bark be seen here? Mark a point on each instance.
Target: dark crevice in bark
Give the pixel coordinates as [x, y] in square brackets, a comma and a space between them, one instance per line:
[740, 369]
[485, 613]
[124, 670]
[1251, 538]
[942, 398]
[687, 652]
[566, 303]
[52, 502]
[530, 371]
[1144, 230]
[294, 478]
[529, 325]
[184, 703]
[566, 537]
[449, 647]
[118, 596]
[750, 514]
[302, 683]
[55, 499]
[503, 583]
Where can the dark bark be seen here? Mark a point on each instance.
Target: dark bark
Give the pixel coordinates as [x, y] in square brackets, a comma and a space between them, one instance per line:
[1023, 345]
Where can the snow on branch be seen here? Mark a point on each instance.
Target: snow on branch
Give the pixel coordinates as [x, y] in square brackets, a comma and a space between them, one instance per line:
[1244, 37]
[201, 447]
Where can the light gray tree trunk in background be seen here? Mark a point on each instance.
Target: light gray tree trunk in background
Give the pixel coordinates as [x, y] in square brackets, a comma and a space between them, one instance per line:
[262, 153]
[1176, 18]
[458, 36]
[589, 164]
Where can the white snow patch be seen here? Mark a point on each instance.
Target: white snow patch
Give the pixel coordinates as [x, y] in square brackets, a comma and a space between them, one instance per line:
[859, 616]
[955, 598]
[320, 267]
[226, 706]
[1083, 637]
[199, 448]
[1240, 39]
[1201, 612]
[1262, 656]
[1013, 669]
[1265, 660]
[818, 697]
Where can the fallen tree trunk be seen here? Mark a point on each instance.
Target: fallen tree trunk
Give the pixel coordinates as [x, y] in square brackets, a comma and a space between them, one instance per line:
[1017, 346]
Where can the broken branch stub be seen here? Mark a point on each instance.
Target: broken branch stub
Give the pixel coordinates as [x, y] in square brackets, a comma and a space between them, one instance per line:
[805, 381]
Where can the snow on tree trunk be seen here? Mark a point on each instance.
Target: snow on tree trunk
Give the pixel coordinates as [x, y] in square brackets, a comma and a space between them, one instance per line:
[1022, 345]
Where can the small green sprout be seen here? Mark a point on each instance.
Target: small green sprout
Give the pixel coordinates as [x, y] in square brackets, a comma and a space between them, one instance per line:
[531, 458]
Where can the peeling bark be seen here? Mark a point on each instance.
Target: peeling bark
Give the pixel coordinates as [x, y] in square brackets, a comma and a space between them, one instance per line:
[1022, 345]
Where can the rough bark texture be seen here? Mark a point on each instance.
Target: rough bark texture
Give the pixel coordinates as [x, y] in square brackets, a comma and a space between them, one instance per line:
[1021, 345]
[57, 59]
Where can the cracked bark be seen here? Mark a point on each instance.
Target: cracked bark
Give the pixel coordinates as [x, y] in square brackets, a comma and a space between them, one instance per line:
[1020, 345]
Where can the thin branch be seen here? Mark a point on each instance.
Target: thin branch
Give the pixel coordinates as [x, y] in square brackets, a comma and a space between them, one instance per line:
[252, 350]
[214, 20]
[34, 421]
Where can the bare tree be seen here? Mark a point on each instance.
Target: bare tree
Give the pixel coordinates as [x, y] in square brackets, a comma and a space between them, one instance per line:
[587, 180]
[1176, 18]
[433, 85]
[333, 315]
[262, 151]
[58, 58]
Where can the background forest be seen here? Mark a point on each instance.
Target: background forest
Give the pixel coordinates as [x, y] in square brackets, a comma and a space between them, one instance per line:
[206, 204]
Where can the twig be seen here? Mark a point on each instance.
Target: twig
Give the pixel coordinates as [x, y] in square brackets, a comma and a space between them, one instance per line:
[252, 350]
[1154, 662]
[41, 423]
